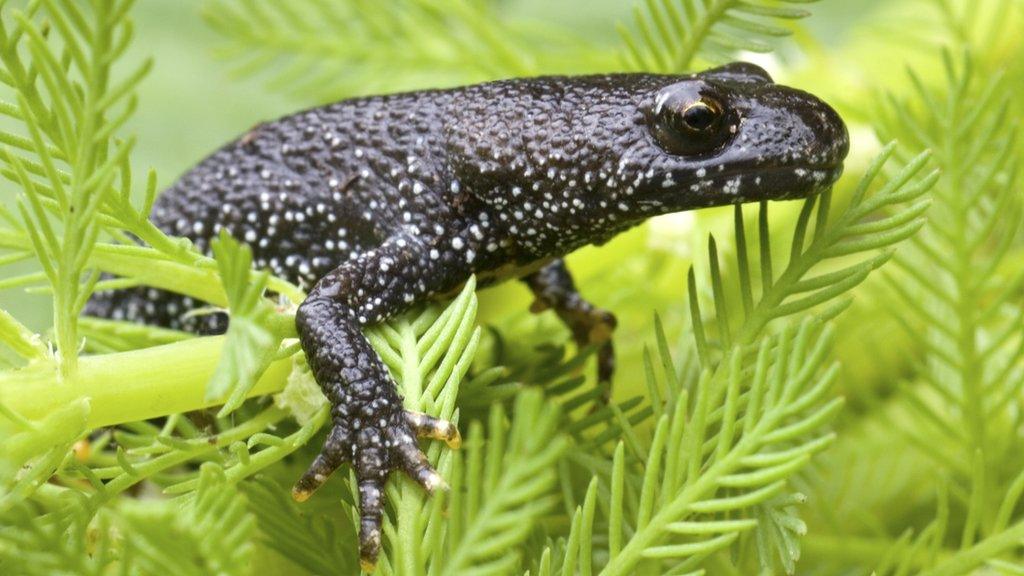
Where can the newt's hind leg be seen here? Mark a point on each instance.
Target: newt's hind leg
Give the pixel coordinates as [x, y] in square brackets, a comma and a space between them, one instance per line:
[371, 430]
[553, 288]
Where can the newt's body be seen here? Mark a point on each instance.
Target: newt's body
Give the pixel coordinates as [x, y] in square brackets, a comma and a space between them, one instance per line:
[379, 203]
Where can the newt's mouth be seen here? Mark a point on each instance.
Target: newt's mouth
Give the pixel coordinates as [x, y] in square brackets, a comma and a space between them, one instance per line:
[778, 183]
[800, 182]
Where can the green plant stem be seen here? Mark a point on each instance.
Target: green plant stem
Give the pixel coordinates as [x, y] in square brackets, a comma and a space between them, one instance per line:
[174, 268]
[66, 324]
[411, 503]
[147, 469]
[266, 456]
[699, 33]
[966, 307]
[140, 264]
[131, 386]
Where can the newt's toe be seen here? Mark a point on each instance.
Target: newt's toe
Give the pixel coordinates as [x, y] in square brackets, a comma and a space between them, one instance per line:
[426, 426]
[371, 511]
[332, 455]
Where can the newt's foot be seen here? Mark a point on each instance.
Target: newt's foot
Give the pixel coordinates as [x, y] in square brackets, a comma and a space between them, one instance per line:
[553, 288]
[590, 326]
[375, 448]
[594, 326]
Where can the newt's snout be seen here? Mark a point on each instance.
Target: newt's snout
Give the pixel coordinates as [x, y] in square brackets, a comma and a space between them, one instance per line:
[789, 144]
[828, 140]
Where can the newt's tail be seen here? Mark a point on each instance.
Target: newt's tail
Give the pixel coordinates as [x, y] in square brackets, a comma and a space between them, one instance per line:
[155, 307]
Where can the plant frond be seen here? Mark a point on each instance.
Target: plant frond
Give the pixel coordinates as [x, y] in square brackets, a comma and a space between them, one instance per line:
[856, 238]
[971, 370]
[702, 483]
[668, 35]
[254, 332]
[506, 487]
[20, 339]
[70, 542]
[319, 541]
[33, 450]
[211, 532]
[334, 49]
[950, 416]
[61, 96]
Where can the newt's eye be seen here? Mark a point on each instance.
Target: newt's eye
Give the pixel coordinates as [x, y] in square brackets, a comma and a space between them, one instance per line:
[688, 122]
[702, 115]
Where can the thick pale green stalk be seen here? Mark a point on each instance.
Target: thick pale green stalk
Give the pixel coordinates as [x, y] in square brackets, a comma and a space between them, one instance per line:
[130, 386]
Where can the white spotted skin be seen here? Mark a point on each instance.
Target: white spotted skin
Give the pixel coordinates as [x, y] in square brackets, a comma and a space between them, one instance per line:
[505, 172]
[377, 204]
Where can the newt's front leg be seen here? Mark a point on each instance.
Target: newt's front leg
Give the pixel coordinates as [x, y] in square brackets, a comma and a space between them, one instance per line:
[552, 286]
[371, 429]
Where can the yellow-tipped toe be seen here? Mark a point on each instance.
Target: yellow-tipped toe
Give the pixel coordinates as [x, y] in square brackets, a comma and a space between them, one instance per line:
[454, 441]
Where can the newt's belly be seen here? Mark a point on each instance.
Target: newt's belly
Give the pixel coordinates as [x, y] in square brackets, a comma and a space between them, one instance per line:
[510, 271]
[485, 278]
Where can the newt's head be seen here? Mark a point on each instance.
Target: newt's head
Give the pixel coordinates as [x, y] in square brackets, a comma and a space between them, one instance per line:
[731, 135]
[582, 158]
